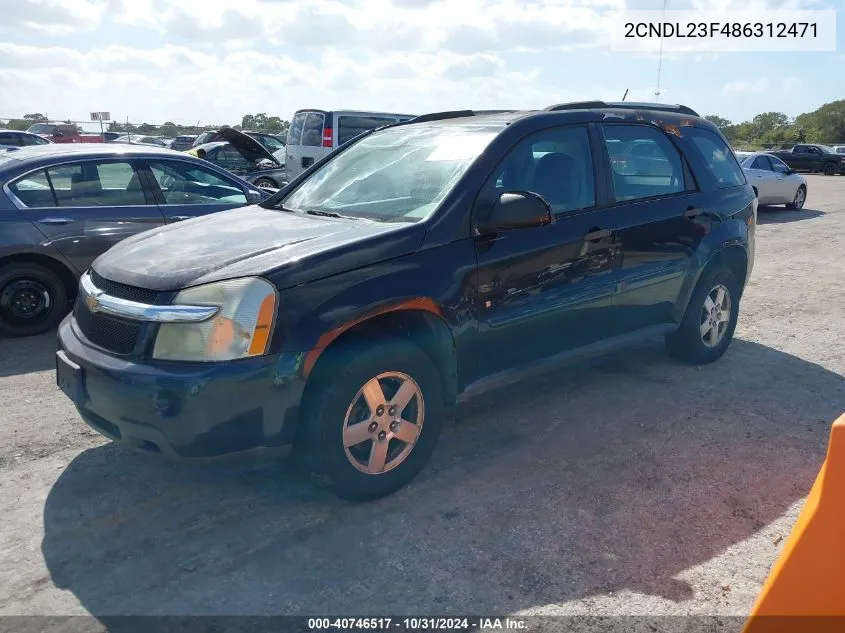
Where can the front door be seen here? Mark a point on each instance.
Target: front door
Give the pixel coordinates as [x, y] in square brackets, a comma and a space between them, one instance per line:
[548, 289]
[187, 190]
[84, 208]
[764, 180]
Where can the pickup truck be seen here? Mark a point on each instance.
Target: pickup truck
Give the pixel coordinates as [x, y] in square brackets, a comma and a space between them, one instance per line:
[63, 133]
[813, 158]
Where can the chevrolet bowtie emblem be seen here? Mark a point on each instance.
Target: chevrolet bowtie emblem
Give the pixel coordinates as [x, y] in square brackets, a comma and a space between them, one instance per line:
[93, 303]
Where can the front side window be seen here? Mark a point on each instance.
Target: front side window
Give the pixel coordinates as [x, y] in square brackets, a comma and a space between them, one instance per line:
[643, 162]
[184, 183]
[762, 163]
[33, 140]
[718, 157]
[555, 164]
[778, 165]
[349, 126]
[395, 175]
[96, 184]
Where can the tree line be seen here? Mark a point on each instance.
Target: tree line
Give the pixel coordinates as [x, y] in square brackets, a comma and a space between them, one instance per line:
[260, 121]
[776, 129]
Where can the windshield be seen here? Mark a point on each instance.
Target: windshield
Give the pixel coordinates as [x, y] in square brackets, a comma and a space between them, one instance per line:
[396, 175]
[42, 128]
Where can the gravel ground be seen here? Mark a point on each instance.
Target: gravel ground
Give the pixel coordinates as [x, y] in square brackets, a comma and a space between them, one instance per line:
[630, 485]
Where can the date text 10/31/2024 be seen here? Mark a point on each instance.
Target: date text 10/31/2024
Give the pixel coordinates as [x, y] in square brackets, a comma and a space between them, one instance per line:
[415, 624]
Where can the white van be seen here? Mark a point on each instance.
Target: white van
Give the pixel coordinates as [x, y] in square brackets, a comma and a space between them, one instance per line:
[316, 133]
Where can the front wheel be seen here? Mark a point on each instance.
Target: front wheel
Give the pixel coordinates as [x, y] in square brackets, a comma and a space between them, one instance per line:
[829, 169]
[710, 320]
[371, 422]
[799, 199]
[265, 182]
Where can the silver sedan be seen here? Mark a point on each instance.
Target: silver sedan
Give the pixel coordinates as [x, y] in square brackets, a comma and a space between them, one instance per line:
[773, 181]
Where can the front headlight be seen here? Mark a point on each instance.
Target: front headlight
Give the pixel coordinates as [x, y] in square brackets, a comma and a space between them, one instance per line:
[241, 328]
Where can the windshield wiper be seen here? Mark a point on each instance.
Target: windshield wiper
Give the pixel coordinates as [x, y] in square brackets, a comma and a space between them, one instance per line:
[328, 214]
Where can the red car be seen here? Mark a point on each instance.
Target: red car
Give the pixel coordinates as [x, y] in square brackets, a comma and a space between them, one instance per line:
[64, 133]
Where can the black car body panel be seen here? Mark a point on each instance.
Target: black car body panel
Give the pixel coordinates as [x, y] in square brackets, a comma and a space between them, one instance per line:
[603, 273]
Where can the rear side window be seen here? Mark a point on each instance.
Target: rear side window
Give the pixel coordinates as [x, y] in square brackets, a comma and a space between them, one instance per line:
[718, 157]
[96, 184]
[296, 125]
[7, 138]
[312, 131]
[34, 190]
[643, 162]
[351, 126]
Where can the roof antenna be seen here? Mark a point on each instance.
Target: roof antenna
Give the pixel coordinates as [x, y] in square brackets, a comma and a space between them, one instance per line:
[625, 95]
[660, 57]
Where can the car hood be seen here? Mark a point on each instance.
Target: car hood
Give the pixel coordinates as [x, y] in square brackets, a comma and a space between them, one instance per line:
[293, 247]
[246, 146]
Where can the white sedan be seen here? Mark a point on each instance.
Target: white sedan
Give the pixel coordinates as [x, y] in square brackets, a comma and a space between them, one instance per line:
[773, 181]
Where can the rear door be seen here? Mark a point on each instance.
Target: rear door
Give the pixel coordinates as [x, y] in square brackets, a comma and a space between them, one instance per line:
[186, 190]
[651, 201]
[315, 144]
[293, 163]
[86, 207]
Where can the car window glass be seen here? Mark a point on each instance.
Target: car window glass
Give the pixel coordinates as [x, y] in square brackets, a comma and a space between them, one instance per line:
[184, 183]
[643, 162]
[778, 165]
[761, 162]
[349, 126]
[555, 164]
[35, 140]
[271, 143]
[7, 138]
[34, 190]
[96, 184]
[295, 131]
[312, 132]
[718, 157]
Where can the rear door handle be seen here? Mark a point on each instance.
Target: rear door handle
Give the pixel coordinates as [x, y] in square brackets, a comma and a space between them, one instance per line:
[597, 234]
[55, 221]
[177, 218]
[693, 212]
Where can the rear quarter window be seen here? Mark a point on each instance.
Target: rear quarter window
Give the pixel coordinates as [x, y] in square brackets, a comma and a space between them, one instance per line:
[718, 158]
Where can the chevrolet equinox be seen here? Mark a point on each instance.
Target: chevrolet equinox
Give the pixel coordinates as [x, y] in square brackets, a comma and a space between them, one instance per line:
[422, 261]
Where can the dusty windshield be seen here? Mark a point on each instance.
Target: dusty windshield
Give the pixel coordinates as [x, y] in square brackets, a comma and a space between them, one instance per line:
[396, 175]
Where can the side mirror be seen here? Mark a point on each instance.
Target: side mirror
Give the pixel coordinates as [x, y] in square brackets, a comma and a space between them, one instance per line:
[517, 210]
[254, 197]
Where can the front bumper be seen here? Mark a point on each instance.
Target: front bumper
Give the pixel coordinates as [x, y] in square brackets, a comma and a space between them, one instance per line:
[189, 410]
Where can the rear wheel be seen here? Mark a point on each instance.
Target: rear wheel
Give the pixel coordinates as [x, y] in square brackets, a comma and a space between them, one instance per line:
[32, 300]
[265, 182]
[829, 169]
[710, 320]
[371, 422]
[799, 199]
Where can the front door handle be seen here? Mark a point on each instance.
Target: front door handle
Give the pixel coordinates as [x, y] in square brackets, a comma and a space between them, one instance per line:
[55, 221]
[177, 218]
[597, 234]
[693, 212]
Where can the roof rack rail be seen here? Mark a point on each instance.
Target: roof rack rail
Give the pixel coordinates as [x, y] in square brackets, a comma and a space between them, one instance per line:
[623, 105]
[440, 116]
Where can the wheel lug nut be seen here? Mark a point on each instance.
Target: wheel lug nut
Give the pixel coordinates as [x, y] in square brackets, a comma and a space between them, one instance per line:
[394, 426]
[382, 435]
[372, 428]
[392, 411]
[380, 410]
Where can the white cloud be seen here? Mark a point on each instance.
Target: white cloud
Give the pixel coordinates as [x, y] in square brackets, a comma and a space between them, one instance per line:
[52, 17]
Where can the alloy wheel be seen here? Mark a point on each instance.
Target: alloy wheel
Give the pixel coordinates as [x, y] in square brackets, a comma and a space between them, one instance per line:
[800, 197]
[715, 316]
[383, 423]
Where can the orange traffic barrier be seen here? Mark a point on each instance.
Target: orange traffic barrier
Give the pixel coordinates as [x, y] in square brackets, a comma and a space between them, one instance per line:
[805, 590]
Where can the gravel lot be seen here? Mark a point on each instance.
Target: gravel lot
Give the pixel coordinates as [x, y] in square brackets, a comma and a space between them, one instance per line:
[632, 485]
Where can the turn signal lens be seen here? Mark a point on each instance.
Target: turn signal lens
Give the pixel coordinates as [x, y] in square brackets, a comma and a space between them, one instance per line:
[241, 328]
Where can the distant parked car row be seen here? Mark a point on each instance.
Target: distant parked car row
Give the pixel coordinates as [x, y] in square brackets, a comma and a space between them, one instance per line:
[813, 158]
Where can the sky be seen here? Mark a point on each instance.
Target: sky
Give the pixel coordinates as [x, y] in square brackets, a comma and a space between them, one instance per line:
[212, 61]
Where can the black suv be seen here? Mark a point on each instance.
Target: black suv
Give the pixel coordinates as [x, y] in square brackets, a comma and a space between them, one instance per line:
[421, 261]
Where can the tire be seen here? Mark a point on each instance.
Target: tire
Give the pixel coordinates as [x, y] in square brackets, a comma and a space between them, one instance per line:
[265, 182]
[688, 343]
[829, 169]
[799, 199]
[33, 300]
[337, 399]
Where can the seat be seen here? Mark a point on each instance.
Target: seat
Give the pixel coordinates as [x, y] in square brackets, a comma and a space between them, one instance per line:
[85, 192]
[555, 180]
